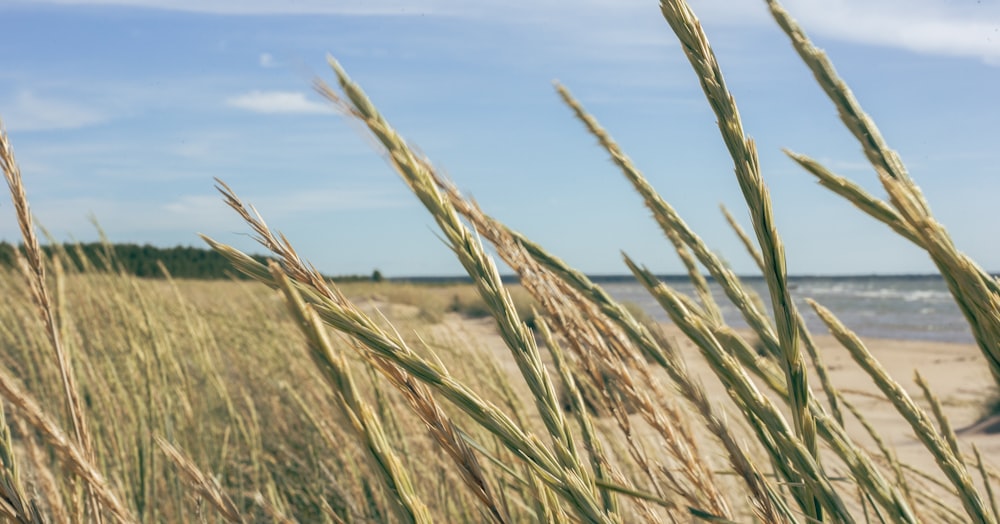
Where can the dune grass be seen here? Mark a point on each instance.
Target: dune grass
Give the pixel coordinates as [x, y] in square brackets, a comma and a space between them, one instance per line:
[299, 400]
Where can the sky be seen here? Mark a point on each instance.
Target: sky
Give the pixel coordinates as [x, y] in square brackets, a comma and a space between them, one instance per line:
[125, 111]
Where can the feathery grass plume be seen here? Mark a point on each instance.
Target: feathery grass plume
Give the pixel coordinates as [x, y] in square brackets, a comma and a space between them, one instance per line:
[607, 358]
[890, 456]
[336, 311]
[856, 195]
[743, 151]
[951, 464]
[976, 292]
[337, 373]
[767, 504]
[598, 459]
[76, 460]
[807, 340]
[205, 485]
[35, 272]
[798, 462]
[487, 279]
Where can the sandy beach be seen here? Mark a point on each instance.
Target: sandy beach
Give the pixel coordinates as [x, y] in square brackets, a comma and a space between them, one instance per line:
[957, 374]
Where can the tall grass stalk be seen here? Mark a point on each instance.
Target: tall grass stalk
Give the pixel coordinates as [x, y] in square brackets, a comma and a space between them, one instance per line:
[950, 463]
[33, 267]
[484, 274]
[339, 313]
[606, 356]
[178, 386]
[807, 340]
[744, 153]
[976, 292]
[356, 412]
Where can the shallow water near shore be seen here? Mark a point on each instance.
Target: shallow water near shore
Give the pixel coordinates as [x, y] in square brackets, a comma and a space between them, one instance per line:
[897, 307]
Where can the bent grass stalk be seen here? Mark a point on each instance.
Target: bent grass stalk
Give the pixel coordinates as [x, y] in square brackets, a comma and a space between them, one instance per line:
[976, 292]
[33, 268]
[579, 472]
[341, 314]
[358, 413]
[201, 483]
[440, 425]
[603, 348]
[484, 274]
[950, 463]
[743, 151]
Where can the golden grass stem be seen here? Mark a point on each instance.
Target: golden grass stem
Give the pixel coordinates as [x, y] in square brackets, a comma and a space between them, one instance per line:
[480, 267]
[988, 485]
[758, 409]
[950, 463]
[68, 451]
[976, 292]
[743, 151]
[357, 412]
[34, 271]
[203, 484]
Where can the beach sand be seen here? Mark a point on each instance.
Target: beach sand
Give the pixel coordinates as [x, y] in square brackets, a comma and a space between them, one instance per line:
[957, 374]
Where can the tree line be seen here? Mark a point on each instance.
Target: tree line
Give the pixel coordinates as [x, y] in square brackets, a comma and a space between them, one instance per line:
[145, 260]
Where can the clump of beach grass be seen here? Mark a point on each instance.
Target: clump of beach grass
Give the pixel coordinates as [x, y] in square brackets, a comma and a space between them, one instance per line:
[303, 400]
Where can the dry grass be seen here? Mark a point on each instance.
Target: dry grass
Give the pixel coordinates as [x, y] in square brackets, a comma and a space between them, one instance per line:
[302, 401]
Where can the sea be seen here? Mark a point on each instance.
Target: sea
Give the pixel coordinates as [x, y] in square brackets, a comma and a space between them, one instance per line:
[905, 307]
[897, 307]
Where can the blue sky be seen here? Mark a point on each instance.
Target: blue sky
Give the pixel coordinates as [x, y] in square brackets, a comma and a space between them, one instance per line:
[126, 110]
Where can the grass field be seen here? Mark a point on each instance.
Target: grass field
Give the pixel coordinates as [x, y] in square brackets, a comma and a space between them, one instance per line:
[292, 399]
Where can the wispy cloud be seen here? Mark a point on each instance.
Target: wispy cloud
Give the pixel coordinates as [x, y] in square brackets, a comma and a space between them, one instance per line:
[970, 29]
[922, 26]
[267, 60]
[30, 112]
[260, 7]
[278, 102]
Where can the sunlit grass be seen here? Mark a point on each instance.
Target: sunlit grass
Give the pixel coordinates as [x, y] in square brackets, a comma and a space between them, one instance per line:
[303, 400]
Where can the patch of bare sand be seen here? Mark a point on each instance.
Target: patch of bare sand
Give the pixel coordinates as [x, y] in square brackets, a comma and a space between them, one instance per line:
[957, 374]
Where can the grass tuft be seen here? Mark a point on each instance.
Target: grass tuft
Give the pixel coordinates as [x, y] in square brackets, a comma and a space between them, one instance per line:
[304, 400]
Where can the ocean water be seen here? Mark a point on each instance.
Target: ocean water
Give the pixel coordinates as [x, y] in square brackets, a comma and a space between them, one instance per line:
[899, 307]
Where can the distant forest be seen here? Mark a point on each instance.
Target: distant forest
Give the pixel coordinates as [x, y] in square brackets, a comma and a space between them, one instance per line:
[142, 261]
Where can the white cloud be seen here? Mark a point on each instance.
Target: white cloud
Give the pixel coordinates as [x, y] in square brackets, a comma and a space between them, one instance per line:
[922, 26]
[267, 60]
[30, 112]
[260, 7]
[278, 102]
[970, 29]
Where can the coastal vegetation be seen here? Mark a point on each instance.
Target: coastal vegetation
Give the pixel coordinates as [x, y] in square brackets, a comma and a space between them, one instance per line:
[147, 260]
[293, 398]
